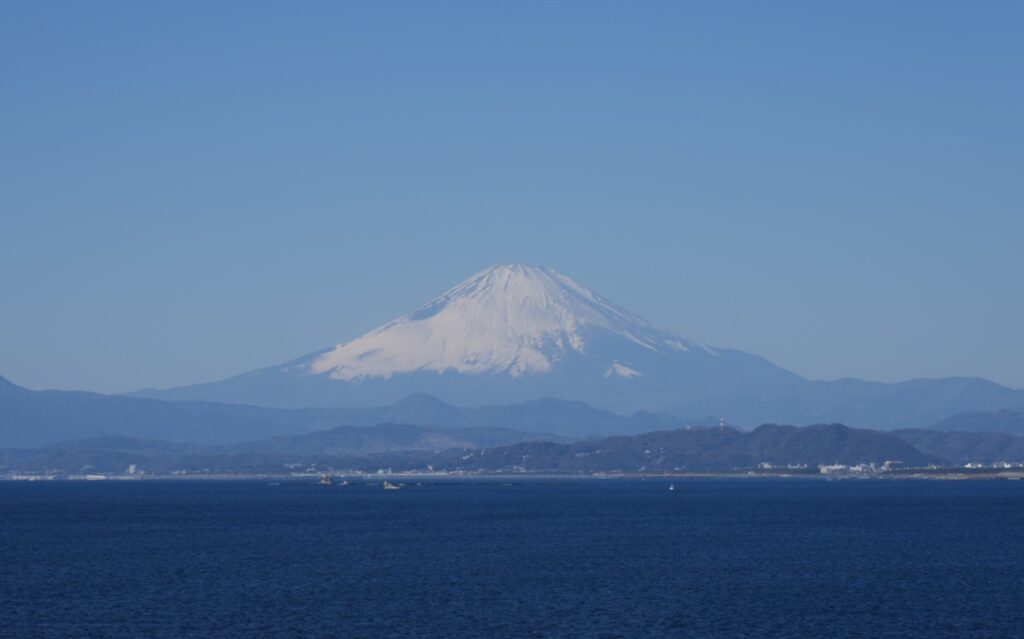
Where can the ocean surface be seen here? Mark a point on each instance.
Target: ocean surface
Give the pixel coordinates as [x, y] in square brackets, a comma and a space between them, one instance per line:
[588, 558]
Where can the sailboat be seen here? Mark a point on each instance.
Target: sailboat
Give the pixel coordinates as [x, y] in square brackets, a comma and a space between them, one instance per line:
[325, 480]
[671, 487]
[389, 486]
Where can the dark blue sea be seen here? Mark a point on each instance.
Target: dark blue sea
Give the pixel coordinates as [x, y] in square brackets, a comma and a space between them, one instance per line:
[714, 558]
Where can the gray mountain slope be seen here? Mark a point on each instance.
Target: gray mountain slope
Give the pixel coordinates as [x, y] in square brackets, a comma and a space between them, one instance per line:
[34, 418]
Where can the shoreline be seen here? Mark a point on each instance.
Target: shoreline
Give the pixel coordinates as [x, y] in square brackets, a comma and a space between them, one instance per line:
[906, 475]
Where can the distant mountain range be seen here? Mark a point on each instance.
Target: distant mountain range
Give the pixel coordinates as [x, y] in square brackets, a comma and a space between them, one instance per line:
[272, 454]
[416, 448]
[701, 450]
[36, 418]
[31, 419]
[515, 333]
[966, 447]
[998, 421]
[546, 415]
[422, 431]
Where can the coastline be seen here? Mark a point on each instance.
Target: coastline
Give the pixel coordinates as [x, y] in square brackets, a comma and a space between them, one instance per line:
[951, 474]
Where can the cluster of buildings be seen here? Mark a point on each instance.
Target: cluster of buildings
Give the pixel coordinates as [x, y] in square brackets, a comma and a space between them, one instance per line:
[132, 472]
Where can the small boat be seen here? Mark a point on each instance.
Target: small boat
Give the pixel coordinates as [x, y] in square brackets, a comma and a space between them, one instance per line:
[389, 486]
[325, 480]
[671, 487]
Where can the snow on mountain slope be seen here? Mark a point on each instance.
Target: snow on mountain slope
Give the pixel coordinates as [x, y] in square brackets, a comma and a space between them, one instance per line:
[515, 333]
[508, 334]
[512, 319]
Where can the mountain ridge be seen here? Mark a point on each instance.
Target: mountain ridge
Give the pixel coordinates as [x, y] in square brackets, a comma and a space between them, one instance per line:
[513, 333]
[510, 333]
[32, 418]
[421, 449]
[1008, 421]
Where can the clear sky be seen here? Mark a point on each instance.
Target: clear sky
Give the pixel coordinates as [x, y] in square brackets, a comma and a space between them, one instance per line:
[192, 190]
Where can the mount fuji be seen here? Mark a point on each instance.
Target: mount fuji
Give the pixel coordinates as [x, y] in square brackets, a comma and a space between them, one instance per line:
[516, 332]
[509, 333]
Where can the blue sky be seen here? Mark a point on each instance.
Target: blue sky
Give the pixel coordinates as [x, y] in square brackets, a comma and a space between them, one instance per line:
[192, 190]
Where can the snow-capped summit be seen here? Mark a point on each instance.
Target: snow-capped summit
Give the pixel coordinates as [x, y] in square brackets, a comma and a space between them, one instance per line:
[515, 319]
[516, 333]
[509, 333]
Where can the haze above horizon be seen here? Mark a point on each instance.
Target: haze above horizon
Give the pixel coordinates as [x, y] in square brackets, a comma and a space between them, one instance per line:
[190, 192]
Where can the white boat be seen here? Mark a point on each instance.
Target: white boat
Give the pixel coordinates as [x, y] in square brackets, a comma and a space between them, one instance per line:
[389, 486]
[325, 480]
[671, 487]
